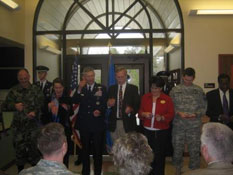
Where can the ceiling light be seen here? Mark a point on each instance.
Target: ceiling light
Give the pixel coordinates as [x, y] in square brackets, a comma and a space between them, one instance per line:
[211, 12]
[176, 40]
[51, 49]
[10, 4]
[169, 48]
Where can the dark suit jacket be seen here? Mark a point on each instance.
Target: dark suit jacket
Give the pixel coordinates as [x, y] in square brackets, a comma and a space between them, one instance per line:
[88, 103]
[214, 105]
[132, 99]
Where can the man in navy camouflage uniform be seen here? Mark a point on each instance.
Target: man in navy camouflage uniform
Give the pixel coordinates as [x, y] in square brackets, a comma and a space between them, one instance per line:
[190, 106]
[26, 100]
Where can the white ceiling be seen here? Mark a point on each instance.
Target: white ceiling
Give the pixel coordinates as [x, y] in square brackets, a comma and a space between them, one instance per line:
[163, 13]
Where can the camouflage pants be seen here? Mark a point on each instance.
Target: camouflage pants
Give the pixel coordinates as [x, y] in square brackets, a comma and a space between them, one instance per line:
[24, 139]
[191, 136]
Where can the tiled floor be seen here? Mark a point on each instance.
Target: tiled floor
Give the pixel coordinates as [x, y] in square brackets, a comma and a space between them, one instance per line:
[109, 169]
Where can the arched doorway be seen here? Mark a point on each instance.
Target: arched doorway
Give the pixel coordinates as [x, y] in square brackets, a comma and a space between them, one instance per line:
[65, 24]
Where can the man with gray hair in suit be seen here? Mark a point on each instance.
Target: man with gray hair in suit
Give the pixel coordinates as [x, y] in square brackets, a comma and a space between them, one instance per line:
[216, 149]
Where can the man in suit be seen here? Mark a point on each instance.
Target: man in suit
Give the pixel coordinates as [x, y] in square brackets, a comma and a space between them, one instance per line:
[43, 83]
[216, 149]
[91, 98]
[124, 100]
[220, 102]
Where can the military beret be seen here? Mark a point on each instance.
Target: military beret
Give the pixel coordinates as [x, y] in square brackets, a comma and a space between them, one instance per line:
[42, 68]
[163, 73]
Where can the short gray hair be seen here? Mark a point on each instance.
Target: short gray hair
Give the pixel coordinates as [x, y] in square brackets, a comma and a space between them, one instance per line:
[219, 140]
[132, 154]
[87, 69]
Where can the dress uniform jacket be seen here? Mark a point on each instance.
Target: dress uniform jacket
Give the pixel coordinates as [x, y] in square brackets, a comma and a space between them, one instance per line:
[47, 90]
[89, 102]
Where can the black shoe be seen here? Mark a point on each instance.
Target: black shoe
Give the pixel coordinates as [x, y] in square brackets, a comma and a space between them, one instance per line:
[78, 162]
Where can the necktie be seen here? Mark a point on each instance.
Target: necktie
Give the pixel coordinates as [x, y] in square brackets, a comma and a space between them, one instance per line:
[120, 101]
[89, 89]
[225, 105]
[41, 86]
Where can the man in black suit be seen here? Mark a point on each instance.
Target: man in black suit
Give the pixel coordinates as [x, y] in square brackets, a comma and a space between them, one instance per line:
[43, 83]
[220, 102]
[124, 100]
[91, 98]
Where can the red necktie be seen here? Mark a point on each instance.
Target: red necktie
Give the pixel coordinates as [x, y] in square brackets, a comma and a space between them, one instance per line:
[120, 101]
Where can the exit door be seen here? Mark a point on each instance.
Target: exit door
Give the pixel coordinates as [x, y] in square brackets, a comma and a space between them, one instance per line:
[137, 68]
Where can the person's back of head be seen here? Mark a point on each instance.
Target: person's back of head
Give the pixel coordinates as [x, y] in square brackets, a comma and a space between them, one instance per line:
[217, 142]
[52, 140]
[132, 154]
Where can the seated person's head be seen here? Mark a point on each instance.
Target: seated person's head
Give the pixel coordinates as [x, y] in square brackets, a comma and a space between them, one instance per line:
[132, 154]
[217, 142]
[52, 141]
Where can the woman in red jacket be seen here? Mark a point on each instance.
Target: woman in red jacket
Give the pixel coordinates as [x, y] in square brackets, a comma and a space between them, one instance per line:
[156, 112]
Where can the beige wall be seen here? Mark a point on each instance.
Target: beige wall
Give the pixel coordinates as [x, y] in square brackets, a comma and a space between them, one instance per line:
[12, 22]
[47, 58]
[30, 6]
[206, 37]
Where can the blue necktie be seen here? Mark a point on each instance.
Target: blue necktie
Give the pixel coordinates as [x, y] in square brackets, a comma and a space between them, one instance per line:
[225, 105]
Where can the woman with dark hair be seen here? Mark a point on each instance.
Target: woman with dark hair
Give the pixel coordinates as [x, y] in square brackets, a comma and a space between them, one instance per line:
[59, 109]
[156, 112]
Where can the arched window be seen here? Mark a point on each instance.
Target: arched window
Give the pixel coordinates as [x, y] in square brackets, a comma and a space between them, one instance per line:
[150, 27]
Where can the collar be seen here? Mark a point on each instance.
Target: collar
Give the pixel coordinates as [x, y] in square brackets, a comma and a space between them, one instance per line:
[92, 86]
[30, 85]
[123, 85]
[44, 81]
[221, 92]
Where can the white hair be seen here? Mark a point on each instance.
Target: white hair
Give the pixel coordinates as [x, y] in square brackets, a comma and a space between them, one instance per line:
[132, 154]
[219, 140]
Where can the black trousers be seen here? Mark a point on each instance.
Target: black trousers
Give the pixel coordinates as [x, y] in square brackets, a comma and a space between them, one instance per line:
[157, 141]
[96, 140]
[68, 134]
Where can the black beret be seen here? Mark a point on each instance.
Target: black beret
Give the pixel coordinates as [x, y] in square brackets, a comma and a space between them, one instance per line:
[42, 68]
[163, 73]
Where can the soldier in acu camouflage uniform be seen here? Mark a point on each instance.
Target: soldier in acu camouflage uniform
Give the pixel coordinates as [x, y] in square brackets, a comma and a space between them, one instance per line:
[190, 105]
[53, 146]
[26, 100]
